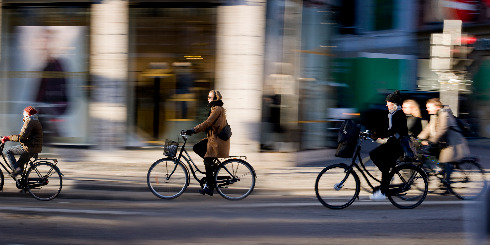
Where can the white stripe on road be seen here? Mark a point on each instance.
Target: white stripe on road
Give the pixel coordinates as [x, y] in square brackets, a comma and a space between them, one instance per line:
[356, 203]
[248, 205]
[68, 211]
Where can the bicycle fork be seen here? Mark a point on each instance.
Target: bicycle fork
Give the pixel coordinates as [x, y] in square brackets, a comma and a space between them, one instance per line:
[340, 185]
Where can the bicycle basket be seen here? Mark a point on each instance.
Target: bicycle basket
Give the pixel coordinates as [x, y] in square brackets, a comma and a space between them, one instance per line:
[170, 148]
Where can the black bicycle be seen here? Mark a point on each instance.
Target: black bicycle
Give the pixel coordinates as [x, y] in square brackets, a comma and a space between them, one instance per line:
[40, 177]
[465, 178]
[337, 186]
[169, 177]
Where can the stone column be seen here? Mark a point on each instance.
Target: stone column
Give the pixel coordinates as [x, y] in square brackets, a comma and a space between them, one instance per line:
[109, 70]
[239, 70]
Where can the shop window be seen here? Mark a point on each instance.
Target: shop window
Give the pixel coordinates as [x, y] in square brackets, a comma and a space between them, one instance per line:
[172, 60]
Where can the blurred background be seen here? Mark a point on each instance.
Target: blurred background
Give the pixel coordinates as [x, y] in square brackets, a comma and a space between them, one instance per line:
[109, 74]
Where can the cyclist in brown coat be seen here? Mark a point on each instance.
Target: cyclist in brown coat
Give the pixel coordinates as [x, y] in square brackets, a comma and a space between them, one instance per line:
[212, 146]
[30, 138]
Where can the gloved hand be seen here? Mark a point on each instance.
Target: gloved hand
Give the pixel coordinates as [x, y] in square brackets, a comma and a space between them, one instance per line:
[189, 132]
[5, 139]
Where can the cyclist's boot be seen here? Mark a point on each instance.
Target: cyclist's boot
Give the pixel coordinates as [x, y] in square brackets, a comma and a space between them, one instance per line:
[206, 190]
[210, 185]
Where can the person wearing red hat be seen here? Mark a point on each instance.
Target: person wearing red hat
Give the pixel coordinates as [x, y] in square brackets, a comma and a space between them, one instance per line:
[30, 138]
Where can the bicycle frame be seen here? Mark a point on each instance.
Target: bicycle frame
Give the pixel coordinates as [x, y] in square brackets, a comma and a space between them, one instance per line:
[357, 155]
[187, 158]
[9, 169]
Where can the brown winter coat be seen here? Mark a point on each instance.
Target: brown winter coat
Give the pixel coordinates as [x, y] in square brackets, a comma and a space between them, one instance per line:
[216, 121]
[31, 135]
[443, 124]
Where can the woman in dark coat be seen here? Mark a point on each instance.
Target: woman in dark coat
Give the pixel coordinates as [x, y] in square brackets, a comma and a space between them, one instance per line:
[385, 155]
[212, 146]
[415, 123]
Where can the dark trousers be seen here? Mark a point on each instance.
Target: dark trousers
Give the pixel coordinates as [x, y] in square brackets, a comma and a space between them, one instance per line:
[209, 164]
[10, 153]
[384, 157]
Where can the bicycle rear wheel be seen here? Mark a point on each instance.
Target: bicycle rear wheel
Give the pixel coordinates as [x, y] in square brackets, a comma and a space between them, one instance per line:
[408, 187]
[235, 179]
[167, 178]
[43, 181]
[466, 180]
[336, 187]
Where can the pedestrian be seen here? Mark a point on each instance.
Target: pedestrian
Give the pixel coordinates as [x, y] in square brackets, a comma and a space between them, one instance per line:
[443, 134]
[212, 147]
[385, 155]
[30, 138]
[415, 123]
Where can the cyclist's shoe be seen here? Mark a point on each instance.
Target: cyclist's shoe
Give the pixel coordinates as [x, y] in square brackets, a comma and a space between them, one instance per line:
[16, 172]
[377, 195]
[206, 190]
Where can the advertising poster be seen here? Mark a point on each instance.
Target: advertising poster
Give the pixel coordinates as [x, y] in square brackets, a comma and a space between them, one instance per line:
[48, 70]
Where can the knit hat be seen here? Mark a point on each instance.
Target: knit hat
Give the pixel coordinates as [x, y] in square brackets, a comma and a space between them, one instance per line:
[395, 97]
[30, 110]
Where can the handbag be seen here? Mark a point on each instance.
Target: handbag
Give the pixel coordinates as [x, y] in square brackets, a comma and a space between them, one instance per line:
[345, 149]
[347, 139]
[225, 133]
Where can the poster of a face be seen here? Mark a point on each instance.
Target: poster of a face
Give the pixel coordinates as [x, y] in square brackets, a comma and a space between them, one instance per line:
[49, 71]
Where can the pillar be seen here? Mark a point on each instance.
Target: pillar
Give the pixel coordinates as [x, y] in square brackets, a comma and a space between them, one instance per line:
[239, 70]
[109, 70]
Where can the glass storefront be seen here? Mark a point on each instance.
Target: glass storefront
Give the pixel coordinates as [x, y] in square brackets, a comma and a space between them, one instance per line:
[44, 64]
[171, 70]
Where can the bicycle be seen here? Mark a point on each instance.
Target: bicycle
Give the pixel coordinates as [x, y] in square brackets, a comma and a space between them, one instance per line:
[465, 179]
[338, 185]
[40, 177]
[169, 177]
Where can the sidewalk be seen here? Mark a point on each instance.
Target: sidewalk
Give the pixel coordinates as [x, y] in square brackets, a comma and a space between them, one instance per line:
[95, 174]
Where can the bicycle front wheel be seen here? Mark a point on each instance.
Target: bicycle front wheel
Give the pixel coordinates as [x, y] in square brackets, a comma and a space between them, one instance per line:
[337, 187]
[167, 178]
[43, 181]
[235, 179]
[466, 180]
[408, 187]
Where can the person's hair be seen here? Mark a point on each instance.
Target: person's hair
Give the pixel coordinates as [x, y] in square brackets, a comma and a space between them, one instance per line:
[415, 107]
[395, 97]
[216, 95]
[435, 101]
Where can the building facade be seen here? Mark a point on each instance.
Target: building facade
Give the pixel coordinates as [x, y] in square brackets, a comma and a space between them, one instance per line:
[131, 73]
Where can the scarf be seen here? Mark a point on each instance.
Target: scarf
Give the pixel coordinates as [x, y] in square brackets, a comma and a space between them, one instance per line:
[213, 104]
[32, 117]
[390, 115]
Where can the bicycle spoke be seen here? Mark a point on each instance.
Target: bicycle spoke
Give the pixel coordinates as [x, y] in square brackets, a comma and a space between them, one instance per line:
[44, 181]
[167, 179]
[408, 186]
[235, 179]
[466, 180]
[336, 187]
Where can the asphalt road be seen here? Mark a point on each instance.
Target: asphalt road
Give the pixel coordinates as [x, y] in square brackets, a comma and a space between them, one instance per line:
[258, 219]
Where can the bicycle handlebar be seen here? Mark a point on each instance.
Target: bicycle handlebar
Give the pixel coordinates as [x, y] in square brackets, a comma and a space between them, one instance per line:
[183, 135]
[366, 135]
